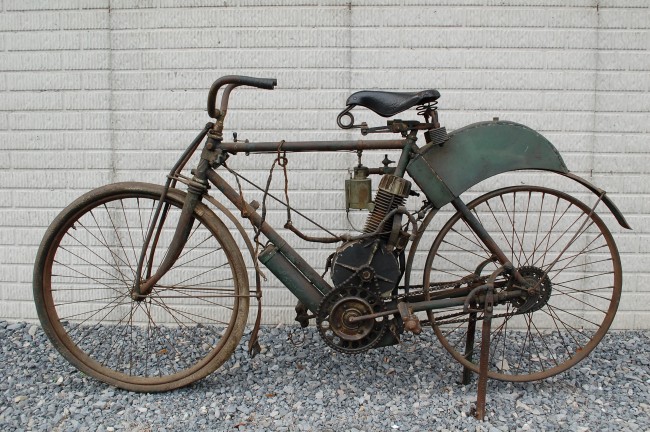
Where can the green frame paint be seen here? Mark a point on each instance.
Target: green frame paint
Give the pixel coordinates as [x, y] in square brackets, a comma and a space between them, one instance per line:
[477, 152]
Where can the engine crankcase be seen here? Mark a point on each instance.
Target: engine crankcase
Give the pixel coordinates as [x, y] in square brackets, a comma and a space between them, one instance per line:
[368, 264]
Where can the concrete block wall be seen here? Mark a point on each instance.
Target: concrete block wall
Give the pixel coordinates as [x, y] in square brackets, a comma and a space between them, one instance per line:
[99, 91]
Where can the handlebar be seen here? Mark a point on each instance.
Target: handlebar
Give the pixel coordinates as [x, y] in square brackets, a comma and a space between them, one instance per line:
[234, 81]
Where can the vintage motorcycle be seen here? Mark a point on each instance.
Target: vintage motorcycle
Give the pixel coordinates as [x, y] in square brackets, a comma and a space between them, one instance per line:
[143, 286]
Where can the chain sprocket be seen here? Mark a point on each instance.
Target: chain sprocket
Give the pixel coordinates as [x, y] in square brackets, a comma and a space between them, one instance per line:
[533, 303]
[333, 319]
[540, 282]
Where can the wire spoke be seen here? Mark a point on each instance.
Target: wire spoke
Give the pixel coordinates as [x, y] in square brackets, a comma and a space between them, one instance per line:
[97, 255]
[119, 240]
[87, 332]
[89, 277]
[523, 236]
[128, 230]
[463, 249]
[505, 237]
[201, 298]
[188, 314]
[576, 316]
[105, 242]
[585, 277]
[515, 235]
[197, 287]
[175, 314]
[555, 235]
[200, 274]
[587, 290]
[176, 265]
[580, 301]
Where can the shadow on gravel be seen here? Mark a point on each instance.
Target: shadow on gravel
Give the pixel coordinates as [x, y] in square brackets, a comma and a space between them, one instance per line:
[309, 387]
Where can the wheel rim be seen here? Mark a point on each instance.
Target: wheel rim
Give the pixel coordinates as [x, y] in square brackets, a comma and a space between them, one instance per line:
[542, 231]
[167, 340]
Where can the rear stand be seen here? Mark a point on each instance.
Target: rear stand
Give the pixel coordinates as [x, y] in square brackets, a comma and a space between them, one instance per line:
[481, 393]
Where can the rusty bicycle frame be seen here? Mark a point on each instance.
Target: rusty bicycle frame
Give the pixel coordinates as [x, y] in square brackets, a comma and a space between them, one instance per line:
[432, 167]
[103, 303]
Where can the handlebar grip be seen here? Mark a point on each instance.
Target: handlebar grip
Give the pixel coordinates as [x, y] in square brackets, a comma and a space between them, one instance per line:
[263, 83]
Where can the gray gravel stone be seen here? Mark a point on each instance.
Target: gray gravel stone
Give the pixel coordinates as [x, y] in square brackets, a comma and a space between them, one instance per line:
[311, 388]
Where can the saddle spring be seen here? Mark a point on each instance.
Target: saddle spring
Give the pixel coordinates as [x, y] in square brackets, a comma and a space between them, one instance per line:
[428, 110]
[346, 113]
[436, 135]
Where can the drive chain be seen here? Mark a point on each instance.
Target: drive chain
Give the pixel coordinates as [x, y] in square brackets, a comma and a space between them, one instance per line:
[443, 319]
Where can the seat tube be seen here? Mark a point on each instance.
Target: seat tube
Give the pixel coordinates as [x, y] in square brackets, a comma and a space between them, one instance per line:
[405, 156]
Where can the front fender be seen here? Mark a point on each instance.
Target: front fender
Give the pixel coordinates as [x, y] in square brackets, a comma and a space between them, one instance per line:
[485, 149]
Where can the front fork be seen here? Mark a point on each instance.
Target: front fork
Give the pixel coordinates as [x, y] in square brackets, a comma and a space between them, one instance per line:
[197, 187]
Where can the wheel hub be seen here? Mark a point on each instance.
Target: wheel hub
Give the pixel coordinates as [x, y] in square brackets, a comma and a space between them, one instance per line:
[144, 293]
[538, 290]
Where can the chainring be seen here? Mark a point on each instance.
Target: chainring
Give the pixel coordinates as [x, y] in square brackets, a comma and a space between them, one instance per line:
[343, 303]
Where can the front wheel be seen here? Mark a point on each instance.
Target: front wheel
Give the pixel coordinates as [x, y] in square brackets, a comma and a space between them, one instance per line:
[566, 255]
[188, 325]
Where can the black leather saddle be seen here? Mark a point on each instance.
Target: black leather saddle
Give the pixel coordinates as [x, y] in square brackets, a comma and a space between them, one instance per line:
[387, 104]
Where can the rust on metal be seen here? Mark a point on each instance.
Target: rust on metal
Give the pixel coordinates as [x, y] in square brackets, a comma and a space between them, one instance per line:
[311, 146]
[366, 307]
[485, 352]
[411, 321]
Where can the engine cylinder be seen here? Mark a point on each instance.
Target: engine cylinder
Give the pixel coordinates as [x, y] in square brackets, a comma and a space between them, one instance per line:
[391, 193]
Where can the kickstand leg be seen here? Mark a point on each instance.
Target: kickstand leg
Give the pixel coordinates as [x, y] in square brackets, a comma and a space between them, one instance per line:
[469, 347]
[485, 354]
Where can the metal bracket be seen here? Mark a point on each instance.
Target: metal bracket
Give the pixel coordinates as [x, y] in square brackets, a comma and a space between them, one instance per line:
[411, 322]
[302, 314]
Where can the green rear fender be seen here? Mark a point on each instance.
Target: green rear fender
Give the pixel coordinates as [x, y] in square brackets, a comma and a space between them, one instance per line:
[482, 150]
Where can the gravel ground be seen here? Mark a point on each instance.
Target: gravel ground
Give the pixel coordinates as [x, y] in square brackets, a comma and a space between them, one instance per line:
[311, 388]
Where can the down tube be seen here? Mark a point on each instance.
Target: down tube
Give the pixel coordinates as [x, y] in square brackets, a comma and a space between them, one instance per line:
[318, 286]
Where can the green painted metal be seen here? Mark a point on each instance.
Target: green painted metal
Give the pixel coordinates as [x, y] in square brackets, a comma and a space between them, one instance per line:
[477, 152]
[293, 279]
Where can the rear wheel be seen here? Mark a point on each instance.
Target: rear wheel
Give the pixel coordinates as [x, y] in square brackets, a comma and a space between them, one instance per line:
[189, 324]
[564, 252]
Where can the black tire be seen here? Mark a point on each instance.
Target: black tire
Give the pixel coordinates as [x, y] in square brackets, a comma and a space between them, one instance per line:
[185, 329]
[558, 244]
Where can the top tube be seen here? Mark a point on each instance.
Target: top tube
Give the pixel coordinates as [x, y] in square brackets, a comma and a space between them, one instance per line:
[312, 146]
